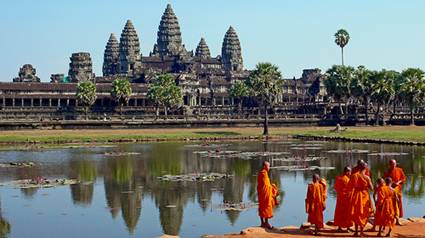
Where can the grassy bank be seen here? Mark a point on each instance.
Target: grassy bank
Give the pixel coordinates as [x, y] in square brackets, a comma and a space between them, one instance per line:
[388, 133]
[396, 133]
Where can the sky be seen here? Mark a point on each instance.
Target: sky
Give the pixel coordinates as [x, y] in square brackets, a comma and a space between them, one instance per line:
[293, 34]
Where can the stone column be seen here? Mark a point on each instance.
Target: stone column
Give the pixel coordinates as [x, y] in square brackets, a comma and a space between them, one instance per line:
[222, 101]
[32, 102]
[13, 102]
[67, 102]
[50, 102]
[59, 102]
[135, 102]
[22, 102]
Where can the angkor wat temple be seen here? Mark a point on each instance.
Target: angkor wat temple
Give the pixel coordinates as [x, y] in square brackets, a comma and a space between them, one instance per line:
[204, 79]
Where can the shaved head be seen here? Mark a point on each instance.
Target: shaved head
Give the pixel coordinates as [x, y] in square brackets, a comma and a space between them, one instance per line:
[393, 163]
[266, 165]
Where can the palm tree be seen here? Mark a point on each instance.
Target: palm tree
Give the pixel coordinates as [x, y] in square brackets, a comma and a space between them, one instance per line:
[238, 90]
[413, 89]
[165, 92]
[338, 84]
[86, 95]
[265, 83]
[121, 92]
[341, 39]
[362, 88]
[382, 91]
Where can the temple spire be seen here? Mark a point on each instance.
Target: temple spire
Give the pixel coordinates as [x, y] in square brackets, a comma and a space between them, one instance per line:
[111, 56]
[202, 49]
[231, 52]
[129, 47]
[169, 39]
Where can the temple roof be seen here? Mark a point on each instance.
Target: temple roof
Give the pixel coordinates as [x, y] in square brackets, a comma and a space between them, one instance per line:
[129, 41]
[231, 49]
[202, 49]
[111, 56]
[169, 39]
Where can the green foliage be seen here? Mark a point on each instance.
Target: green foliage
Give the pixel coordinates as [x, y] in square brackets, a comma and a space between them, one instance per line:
[86, 94]
[342, 38]
[265, 83]
[339, 82]
[362, 82]
[239, 90]
[383, 87]
[165, 92]
[121, 91]
[413, 87]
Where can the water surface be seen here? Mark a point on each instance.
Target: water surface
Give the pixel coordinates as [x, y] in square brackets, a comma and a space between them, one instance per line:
[120, 195]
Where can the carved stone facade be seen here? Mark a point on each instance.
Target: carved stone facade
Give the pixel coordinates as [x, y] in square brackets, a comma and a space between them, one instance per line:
[231, 52]
[27, 74]
[129, 50]
[205, 80]
[80, 68]
[111, 57]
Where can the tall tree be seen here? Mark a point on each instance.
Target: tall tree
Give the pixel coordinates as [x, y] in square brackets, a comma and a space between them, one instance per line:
[341, 39]
[362, 88]
[86, 95]
[382, 91]
[265, 83]
[164, 92]
[413, 90]
[121, 92]
[338, 84]
[239, 91]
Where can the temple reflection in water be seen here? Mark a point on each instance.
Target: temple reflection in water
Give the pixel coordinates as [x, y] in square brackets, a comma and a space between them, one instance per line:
[129, 180]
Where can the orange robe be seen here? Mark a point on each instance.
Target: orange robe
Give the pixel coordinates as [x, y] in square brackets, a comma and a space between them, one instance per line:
[315, 203]
[342, 216]
[396, 175]
[361, 205]
[385, 212]
[357, 169]
[267, 193]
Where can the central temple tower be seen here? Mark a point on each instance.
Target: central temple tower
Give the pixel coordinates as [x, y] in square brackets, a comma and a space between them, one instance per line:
[169, 41]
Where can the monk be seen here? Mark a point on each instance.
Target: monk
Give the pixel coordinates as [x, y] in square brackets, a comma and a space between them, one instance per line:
[342, 217]
[315, 203]
[358, 167]
[267, 196]
[361, 205]
[385, 213]
[398, 179]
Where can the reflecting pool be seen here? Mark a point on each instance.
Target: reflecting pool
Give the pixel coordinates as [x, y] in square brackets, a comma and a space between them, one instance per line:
[120, 194]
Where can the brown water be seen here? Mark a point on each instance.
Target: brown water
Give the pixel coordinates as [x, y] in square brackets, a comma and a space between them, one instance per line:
[121, 196]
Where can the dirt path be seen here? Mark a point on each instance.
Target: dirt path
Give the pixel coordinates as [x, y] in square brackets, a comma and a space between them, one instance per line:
[409, 230]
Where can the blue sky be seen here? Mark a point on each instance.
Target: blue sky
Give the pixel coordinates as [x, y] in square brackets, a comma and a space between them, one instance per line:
[293, 34]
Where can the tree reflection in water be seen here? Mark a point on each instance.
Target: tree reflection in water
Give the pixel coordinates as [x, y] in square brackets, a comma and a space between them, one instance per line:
[85, 171]
[4, 225]
[127, 179]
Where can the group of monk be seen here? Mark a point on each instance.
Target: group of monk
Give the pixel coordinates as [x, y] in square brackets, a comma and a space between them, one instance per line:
[354, 204]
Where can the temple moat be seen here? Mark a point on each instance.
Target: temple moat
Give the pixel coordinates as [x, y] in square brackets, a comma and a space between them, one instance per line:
[120, 193]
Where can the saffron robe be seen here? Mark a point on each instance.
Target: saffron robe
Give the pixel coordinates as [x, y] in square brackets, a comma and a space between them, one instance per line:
[385, 210]
[267, 193]
[361, 204]
[315, 203]
[342, 216]
[397, 174]
[357, 169]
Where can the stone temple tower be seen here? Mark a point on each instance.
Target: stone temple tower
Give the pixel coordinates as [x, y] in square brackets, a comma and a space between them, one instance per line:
[80, 67]
[129, 50]
[202, 49]
[231, 52]
[111, 57]
[169, 41]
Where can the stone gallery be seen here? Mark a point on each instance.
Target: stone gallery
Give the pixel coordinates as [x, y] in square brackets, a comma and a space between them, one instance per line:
[204, 79]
